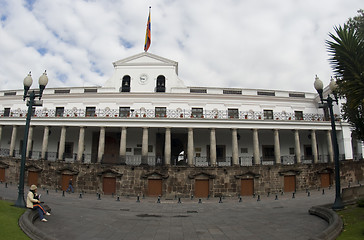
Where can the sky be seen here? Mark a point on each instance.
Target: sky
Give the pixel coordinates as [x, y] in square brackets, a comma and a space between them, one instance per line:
[261, 44]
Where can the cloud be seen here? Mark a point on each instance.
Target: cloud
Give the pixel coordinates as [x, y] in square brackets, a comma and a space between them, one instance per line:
[245, 44]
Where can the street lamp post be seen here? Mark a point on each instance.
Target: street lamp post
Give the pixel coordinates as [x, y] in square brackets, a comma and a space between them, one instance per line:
[338, 204]
[43, 80]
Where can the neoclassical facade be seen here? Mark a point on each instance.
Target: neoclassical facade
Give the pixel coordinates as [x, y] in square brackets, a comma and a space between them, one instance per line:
[144, 115]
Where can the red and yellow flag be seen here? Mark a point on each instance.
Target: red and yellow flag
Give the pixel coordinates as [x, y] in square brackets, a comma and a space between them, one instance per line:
[148, 39]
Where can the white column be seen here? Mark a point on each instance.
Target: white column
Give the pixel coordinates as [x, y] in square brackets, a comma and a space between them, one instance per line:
[145, 146]
[62, 143]
[212, 147]
[81, 144]
[314, 146]
[297, 145]
[234, 144]
[101, 144]
[167, 147]
[123, 145]
[256, 154]
[13, 140]
[30, 140]
[190, 147]
[277, 147]
[45, 142]
[330, 150]
[345, 142]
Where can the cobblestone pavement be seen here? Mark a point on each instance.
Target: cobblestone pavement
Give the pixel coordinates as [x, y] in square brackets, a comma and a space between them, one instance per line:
[89, 218]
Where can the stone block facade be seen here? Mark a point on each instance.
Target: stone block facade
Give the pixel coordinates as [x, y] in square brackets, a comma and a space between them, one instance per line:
[179, 180]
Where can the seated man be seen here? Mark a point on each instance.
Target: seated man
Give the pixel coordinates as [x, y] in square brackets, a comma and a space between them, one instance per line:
[34, 203]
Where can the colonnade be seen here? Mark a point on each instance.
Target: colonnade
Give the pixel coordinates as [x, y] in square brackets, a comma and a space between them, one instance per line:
[167, 144]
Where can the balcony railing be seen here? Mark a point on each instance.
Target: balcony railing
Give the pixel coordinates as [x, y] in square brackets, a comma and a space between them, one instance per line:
[136, 160]
[151, 113]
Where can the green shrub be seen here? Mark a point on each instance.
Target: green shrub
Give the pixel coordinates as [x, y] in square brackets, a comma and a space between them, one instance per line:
[361, 203]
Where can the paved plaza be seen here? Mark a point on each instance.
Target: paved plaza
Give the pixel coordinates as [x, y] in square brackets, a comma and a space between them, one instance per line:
[90, 218]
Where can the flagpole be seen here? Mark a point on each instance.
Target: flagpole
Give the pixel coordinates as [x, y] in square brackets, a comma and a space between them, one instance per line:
[148, 39]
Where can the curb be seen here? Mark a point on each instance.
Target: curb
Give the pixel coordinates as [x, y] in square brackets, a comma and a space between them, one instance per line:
[335, 223]
[26, 223]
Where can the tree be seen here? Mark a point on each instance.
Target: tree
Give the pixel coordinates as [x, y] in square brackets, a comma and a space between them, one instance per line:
[346, 50]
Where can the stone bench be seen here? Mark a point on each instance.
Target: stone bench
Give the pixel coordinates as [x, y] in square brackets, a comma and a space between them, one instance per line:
[335, 223]
[26, 223]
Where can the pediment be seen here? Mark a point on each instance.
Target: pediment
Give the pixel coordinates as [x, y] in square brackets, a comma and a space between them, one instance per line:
[145, 59]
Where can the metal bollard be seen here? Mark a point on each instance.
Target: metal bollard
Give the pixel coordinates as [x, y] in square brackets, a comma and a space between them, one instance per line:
[208, 196]
[282, 193]
[268, 194]
[199, 200]
[143, 196]
[6, 185]
[318, 189]
[99, 197]
[240, 199]
[47, 192]
[179, 200]
[308, 193]
[276, 197]
[306, 190]
[191, 197]
[293, 195]
[118, 199]
[258, 199]
[323, 191]
[253, 195]
[112, 195]
[138, 200]
[80, 195]
[56, 190]
[62, 193]
[159, 199]
[220, 201]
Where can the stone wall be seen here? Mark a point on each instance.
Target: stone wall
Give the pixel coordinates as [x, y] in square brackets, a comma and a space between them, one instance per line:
[180, 180]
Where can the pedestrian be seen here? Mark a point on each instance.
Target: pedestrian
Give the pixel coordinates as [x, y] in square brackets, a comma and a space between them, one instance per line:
[70, 187]
[34, 203]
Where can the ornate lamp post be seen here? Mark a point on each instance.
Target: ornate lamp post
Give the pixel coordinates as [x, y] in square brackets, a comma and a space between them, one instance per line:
[43, 80]
[338, 204]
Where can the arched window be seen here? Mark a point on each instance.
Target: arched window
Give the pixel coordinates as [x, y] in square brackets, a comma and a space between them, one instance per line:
[161, 84]
[125, 84]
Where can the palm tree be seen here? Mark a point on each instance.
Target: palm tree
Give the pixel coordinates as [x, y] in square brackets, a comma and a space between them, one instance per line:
[346, 49]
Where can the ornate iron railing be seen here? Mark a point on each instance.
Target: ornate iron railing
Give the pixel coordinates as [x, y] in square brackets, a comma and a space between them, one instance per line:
[151, 113]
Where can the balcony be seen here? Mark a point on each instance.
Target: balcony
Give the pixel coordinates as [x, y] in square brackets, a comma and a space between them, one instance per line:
[169, 113]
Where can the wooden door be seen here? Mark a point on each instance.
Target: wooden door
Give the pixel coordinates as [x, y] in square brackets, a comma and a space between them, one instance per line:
[65, 181]
[201, 188]
[325, 180]
[290, 183]
[32, 178]
[154, 187]
[247, 187]
[109, 185]
[2, 174]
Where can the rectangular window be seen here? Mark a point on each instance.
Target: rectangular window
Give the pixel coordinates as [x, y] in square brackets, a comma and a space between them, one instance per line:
[124, 112]
[150, 148]
[297, 95]
[198, 90]
[298, 115]
[59, 111]
[230, 91]
[268, 114]
[68, 150]
[266, 93]
[291, 151]
[233, 113]
[90, 111]
[244, 150]
[197, 112]
[90, 90]
[9, 93]
[128, 149]
[160, 112]
[6, 112]
[61, 91]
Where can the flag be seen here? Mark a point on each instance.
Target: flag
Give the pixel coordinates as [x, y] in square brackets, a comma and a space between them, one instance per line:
[148, 39]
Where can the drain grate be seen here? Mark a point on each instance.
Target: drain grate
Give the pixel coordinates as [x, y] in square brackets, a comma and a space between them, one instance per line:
[148, 215]
[192, 212]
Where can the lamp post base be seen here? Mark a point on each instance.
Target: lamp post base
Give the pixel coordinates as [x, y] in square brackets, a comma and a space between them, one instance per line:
[20, 202]
[338, 204]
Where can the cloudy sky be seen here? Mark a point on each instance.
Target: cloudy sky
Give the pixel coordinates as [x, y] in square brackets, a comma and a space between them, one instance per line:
[261, 44]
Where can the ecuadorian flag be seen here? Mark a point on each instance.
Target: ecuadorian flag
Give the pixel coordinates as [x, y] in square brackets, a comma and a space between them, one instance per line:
[148, 39]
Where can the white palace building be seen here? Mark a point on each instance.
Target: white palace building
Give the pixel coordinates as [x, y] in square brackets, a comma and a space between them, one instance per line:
[144, 115]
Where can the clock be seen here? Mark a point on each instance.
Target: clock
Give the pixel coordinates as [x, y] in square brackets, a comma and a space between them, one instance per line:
[143, 78]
